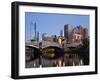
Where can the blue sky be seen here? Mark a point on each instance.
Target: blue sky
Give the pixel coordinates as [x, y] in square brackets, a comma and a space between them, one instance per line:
[53, 23]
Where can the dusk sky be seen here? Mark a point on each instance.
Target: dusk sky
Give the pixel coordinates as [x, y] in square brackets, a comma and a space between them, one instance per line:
[53, 23]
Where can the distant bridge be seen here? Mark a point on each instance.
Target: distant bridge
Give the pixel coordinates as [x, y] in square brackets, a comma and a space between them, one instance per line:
[46, 44]
[29, 44]
[43, 45]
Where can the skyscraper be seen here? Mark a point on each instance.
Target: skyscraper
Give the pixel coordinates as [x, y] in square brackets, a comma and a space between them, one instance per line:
[68, 33]
[61, 33]
[37, 36]
[33, 36]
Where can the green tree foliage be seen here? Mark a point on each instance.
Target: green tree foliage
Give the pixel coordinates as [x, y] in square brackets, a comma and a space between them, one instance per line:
[84, 51]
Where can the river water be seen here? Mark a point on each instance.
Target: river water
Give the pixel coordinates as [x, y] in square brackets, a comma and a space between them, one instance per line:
[64, 61]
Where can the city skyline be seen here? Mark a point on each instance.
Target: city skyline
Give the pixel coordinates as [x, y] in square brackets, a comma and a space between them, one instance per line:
[53, 23]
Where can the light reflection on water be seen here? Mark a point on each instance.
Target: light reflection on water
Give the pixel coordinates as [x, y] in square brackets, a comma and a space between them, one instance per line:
[66, 60]
[54, 57]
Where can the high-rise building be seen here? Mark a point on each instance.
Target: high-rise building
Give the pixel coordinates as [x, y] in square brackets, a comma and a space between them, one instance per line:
[44, 36]
[37, 36]
[54, 38]
[34, 34]
[32, 31]
[68, 33]
[61, 33]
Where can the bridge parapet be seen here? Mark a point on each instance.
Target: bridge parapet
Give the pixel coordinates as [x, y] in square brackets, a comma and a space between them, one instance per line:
[47, 44]
[44, 44]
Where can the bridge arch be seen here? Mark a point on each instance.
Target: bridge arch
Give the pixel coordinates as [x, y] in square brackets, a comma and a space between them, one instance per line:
[52, 52]
[31, 53]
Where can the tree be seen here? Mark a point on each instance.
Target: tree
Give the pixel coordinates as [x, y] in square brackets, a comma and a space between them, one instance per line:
[84, 51]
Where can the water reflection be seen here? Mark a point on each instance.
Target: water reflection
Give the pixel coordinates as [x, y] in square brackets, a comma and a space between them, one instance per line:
[50, 57]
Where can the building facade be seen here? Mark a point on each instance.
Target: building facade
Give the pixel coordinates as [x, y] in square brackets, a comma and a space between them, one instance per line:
[44, 36]
[68, 33]
[79, 34]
